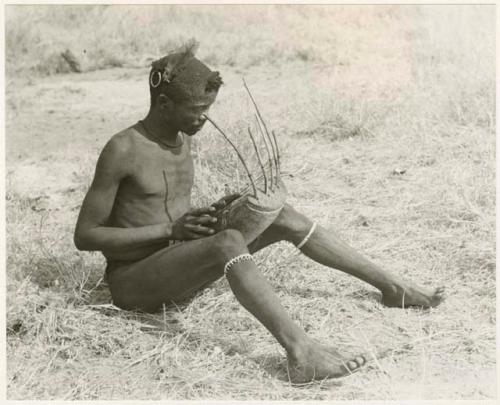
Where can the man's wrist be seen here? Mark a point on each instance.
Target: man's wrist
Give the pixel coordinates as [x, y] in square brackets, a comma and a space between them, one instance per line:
[167, 230]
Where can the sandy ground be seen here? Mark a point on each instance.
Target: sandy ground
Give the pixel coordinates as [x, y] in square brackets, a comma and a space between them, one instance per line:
[382, 188]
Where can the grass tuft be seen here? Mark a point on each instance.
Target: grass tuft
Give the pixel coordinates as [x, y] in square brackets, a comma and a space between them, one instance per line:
[387, 126]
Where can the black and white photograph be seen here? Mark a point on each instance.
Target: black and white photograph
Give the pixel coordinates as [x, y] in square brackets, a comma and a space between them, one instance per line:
[233, 202]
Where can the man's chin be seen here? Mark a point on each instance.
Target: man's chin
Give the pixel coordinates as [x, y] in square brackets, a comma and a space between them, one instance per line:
[191, 131]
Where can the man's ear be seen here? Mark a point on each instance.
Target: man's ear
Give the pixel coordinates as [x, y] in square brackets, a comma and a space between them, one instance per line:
[165, 102]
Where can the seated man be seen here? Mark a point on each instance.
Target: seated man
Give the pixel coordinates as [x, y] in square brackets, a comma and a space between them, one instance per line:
[137, 211]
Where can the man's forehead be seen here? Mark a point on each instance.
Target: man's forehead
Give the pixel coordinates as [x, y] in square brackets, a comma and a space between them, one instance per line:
[201, 100]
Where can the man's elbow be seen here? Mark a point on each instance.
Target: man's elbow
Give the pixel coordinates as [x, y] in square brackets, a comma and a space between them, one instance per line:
[81, 242]
[77, 240]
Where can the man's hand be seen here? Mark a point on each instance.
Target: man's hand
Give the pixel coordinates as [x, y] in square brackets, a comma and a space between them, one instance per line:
[226, 200]
[195, 224]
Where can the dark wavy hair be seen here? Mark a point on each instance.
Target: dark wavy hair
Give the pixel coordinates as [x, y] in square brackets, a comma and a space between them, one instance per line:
[181, 76]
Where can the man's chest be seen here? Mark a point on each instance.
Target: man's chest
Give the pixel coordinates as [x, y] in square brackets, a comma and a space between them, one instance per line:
[162, 174]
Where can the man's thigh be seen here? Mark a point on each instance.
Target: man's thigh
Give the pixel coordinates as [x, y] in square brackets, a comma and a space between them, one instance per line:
[171, 274]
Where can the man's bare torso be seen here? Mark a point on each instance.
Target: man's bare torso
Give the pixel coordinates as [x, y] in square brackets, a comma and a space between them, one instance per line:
[158, 188]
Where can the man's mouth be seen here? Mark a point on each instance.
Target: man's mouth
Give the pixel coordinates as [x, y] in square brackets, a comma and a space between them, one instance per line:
[192, 130]
[195, 128]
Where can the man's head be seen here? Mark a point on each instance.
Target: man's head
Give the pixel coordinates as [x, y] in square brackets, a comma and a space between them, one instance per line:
[182, 89]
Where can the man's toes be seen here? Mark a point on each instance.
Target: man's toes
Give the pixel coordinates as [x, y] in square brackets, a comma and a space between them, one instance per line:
[361, 360]
[356, 363]
[352, 365]
[439, 294]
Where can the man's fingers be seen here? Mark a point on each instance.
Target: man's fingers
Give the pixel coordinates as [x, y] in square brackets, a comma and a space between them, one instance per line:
[199, 229]
[218, 204]
[194, 235]
[226, 200]
[203, 220]
[230, 197]
[200, 211]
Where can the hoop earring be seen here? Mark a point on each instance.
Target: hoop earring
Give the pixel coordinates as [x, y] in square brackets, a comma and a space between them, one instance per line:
[155, 75]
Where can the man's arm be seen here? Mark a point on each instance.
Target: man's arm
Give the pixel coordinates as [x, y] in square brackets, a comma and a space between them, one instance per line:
[91, 232]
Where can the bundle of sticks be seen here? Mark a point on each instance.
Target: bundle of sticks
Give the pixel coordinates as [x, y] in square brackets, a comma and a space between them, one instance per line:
[262, 200]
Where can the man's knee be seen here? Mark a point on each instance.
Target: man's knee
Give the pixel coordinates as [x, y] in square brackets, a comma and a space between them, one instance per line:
[292, 223]
[229, 243]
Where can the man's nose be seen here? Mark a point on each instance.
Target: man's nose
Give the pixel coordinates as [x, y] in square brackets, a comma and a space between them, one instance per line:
[202, 118]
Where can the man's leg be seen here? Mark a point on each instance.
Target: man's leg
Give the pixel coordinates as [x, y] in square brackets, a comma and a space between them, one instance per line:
[327, 249]
[173, 273]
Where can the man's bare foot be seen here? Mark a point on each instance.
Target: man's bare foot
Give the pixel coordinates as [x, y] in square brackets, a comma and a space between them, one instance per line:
[409, 295]
[317, 362]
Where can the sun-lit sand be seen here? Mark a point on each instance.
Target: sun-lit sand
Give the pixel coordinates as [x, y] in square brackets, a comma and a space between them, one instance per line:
[385, 116]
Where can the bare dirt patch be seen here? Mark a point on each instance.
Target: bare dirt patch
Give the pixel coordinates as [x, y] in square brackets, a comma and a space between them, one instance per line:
[394, 150]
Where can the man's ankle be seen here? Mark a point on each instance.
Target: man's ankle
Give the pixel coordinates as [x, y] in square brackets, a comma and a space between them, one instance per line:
[391, 289]
[299, 348]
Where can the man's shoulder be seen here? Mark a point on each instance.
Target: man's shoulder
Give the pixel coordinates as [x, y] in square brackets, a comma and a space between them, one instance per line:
[119, 151]
[122, 143]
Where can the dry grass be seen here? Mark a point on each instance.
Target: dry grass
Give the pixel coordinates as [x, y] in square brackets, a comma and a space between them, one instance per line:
[103, 36]
[388, 138]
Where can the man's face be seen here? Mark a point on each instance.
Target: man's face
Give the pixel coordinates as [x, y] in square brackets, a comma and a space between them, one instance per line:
[188, 116]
